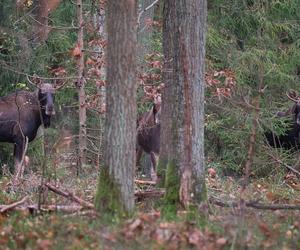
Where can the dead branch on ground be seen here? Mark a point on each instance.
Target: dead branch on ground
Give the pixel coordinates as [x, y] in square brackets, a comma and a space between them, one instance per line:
[284, 164]
[143, 182]
[149, 193]
[255, 204]
[44, 208]
[70, 196]
[5, 208]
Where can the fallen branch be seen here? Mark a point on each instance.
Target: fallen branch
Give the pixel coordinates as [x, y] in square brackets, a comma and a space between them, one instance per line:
[146, 9]
[45, 208]
[143, 182]
[284, 164]
[149, 193]
[255, 204]
[6, 208]
[70, 196]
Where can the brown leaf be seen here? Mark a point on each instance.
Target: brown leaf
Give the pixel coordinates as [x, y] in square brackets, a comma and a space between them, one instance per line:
[265, 229]
[89, 61]
[76, 52]
[271, 196]
[212, 172]
[135, 224]
[150, 217]
[195, 237]
[221, 242]
[43, 244]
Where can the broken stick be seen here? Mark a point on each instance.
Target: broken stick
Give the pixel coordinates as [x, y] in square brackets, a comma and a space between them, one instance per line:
[70, 196]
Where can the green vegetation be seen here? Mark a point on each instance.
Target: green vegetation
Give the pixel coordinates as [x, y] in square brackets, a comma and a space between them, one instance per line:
[244, 37]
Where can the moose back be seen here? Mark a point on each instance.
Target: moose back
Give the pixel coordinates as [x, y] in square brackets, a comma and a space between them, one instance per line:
[22, 113]
[290, 139]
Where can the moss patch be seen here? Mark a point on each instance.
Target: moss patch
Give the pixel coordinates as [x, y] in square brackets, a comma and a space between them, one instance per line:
[108, 196]
[172, 185]
[161, 171]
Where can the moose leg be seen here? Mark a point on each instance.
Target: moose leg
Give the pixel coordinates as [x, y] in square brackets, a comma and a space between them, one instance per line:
[139, 153]
[18, 156]
[153, 166]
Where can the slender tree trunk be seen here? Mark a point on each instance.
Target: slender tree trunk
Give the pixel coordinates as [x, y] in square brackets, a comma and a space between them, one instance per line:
[115, 192]
[185, 24]
[168, 14]
[80, 84]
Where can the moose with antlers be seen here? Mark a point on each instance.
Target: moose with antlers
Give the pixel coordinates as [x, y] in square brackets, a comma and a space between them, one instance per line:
[22, 113]
[291, 139]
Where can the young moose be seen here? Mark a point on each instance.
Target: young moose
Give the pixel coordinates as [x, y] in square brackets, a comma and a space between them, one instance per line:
[21, 114]
[148, 136]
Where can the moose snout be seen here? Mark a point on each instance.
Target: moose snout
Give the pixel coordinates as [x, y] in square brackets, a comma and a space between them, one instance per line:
[50, 110]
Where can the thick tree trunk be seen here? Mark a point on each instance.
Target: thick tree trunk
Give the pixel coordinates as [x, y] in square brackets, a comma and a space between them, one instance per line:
[41, 27]
[80, 84]
[168, 14]
[116, 184]
[185, 25]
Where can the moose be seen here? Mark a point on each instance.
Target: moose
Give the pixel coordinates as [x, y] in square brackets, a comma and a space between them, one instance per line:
[21, 114]
[148, 135]
[291, 139]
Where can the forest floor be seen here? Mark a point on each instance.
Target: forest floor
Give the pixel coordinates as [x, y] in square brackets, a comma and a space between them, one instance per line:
[227, 222]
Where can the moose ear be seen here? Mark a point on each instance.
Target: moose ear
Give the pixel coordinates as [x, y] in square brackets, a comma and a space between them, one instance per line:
[293, 109]
[288, 112]
[154, 109]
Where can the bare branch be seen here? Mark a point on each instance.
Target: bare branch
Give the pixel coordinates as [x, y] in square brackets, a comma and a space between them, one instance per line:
[146, 9]
[70, 196]
[255, 204]
[6, 208]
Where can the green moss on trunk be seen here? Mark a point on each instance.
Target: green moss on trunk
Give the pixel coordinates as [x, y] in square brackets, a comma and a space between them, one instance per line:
[199, 190]
[161, 171]
[108, 195]
[172, 190]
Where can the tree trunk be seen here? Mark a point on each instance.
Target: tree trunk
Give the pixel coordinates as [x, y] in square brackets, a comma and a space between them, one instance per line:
[80, 84]
[41, 27]
[115, 192]
[184, 26]
[168, 14]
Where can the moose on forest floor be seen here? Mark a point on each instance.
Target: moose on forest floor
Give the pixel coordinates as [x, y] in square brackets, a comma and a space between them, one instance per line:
[148, 136]
[290, 139]
[21, 114]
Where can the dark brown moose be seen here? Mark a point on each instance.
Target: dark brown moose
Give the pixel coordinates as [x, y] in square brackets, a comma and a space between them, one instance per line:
[21, 114]
[290, 139]
[148, 136]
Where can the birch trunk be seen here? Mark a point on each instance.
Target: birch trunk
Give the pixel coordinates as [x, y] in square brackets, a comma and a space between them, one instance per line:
[81, 91]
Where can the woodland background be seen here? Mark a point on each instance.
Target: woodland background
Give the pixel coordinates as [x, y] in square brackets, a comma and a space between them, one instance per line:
[251, 45]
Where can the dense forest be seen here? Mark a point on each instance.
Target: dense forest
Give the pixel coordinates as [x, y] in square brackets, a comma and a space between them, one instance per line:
[211, 87]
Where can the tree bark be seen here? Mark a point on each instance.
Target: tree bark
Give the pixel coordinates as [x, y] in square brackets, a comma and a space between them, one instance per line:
[115, 192]
[168, 14]
[183, 101]
[80, 84]
[41, 27]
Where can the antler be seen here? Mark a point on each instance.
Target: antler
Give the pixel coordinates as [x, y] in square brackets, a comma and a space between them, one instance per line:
[61, 85]
[292, 95]
[32, 83]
